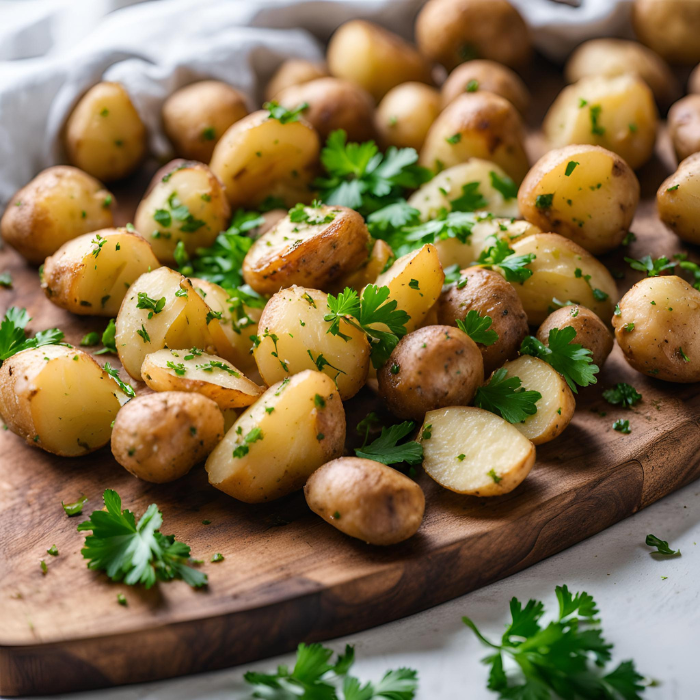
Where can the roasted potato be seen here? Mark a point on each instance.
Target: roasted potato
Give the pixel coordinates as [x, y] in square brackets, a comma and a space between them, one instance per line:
[586, 193]
[276, 444]
[91, 274]
[678, 200]
[294, 71]
[366, 500]
[669, 27]
[380, 257]
[160, 437]
[684, 126]
[104, 134]
[59, 204]
[405, 115]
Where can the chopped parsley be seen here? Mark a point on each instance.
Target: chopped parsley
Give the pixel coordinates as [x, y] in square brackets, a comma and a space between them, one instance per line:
[544, 201]
[570, 167]
[114, 373]
[661, 546]
[622, 394]
[90, 339]
[622, 426]
[504, 185]
[596, 128]
[284, 115]
[253, 436]
[74, 508]
[153, 306]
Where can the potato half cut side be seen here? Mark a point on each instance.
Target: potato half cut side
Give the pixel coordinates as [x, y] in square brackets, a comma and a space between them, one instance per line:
[474, 452]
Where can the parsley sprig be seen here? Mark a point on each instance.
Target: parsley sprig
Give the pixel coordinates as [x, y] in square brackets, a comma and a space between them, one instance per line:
[388, 448]
[13, 337]
[477, 328]
[653, 268]
[504, 396]
[622, 394]
[514, 267]
[284, 115]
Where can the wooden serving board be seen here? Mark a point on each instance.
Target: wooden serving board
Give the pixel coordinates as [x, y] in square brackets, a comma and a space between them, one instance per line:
[287, 576]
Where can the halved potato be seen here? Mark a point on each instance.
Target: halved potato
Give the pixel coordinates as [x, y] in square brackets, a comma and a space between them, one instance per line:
[380, 256]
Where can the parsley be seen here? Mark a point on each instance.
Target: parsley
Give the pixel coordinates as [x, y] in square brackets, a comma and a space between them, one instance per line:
[217, 557]
[52, 550]
[477, 327]
[472, 85]
[672, 188]
[392, 218]
[622, 395]
[622, 426]
[505, 397]
[629, 327]
[178, 368]
[653, 268]
[570, 167]
[144, 334]
[501, 255]
[74, 508]
[594, 112]
[319, 401]
[209, 134]
[13, 338]
[684, 357]
[145, 302]
[253, 436]
[367, 425]
[6, 280]
[114, 373]
[598, 294]
[661, 546]
[217, 364]
[90, 339]
[544, 201]
[454, 139]
[387, 450]
[630, 237]
[504, 185]
[470, 199]
[284, 115]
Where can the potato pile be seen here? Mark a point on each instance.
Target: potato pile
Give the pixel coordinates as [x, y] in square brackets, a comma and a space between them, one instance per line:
[370, 225]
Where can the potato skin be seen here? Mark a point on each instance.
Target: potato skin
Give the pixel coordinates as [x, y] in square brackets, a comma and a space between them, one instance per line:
[684, 126]
[366, 500]
[294, 71]
[669, 27]
[488, 293]
[405, 115]
[59, 204]
[160, 437]
[432, 367]
[677, 200]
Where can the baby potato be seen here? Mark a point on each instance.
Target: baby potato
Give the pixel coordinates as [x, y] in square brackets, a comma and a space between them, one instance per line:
[474, 452]
[669, 27]
[490, 295]
[160, 437]
[294, 71]
[591, 332]
[405, 115]
[294, 337]
[59, 204]
[657, 329]
[617, 113]
[260, 157]
[586, 193]
[562, 272]
[380, 256]
[556, 407]
[271, 450]
[678, 200]
[59, 399]
[684, 126]
[104, 134]
[694, 81]
[196, 116]
[432, 367]
[374, 58]
[91, 274]
[312, 246]
[477, 125]
[486, 76]
[366, 500]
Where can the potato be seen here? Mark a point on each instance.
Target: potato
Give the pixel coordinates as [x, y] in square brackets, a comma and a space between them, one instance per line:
[58, 398]
[474, 452]
[453, 31]
[272, 449]
[196, 116]
[490, 295]
[678, 200]
[405, 115]
[312, 246]
[669, 27]
[91, 274]
[414, 282]
[293, 337]
[380, 257]
[591, 332]
[486, 76]
[694, 81]
[104, 135]
[556, 407]
[366, 500]
[657, 329]
[477, 125]
[59, 204]
[617, 113]
[160, 437]
[586, 193]
[261, 157]
[432, 367]
[559, 276]
[333, 104]
[374, 58]
[294, 71]
[684, 126]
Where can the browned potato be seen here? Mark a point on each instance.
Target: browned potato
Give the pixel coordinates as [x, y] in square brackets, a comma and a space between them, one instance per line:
[453, 31]
[59, 204]
[684, 126]
[366, 500]
[196, 116]
[406, 113]
[432, 367]
[678, 200]
[488, 293]
[294, 71]
[669, 27]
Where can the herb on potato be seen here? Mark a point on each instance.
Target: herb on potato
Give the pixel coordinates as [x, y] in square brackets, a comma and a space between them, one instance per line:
[622, 394]
[284, 115]
[13, 338]
[387, 450]
[661, 546]
[470, 199]
[114, 373]
[504, 396]
[6, 280]
[501, 255]
[477, 327]
[504, 185]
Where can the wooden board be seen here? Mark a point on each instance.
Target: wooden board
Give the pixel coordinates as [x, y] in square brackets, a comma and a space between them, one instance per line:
[287, 576]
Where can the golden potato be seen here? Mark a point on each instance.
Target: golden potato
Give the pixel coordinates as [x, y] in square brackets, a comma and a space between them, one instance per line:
[380, 257]
[669, 27]
[586, 193]
[684, 126]
[405, 115]
[477, 125]
[366, 500]
[104, 134]
[160, 437]
[678, 200]
[294, 71]
[59, 204]
[91, 274]
[276, 444]
[196, 116]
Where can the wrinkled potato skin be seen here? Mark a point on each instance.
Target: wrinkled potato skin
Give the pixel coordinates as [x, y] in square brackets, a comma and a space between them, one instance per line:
[679, 208]
[669, 27]
[405, 115]
[376, 503]
[451, 31]
[591, 332]
[488, 293]
[294, 71]
[166, 434]
[684, 126]
[433, 367]
[48, 211]
[196, 116]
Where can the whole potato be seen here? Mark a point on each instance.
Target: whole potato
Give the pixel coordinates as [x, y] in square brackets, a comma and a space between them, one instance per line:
[453, 31]
[658, 331]
[196, 116]
[669, 27]
[160, 437]
[432, 367]
[684, 126]
[477, 125]
[406, 113]
[59, 204]
[586, 193]
[366, 500]
[104, 134]
[294, 71]
[678, 200]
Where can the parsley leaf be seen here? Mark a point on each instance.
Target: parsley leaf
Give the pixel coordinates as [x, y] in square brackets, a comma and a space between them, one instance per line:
[653, 268]
[114, 373]
[622, 394]
[470, 199]
[661, 546]
[284, 115]
[477, 327]
[108, 339]
[387, 450]
[13, 338]
[501, 255]
[504, 185]
[391, 218]
[74, 508]
[504, 396]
